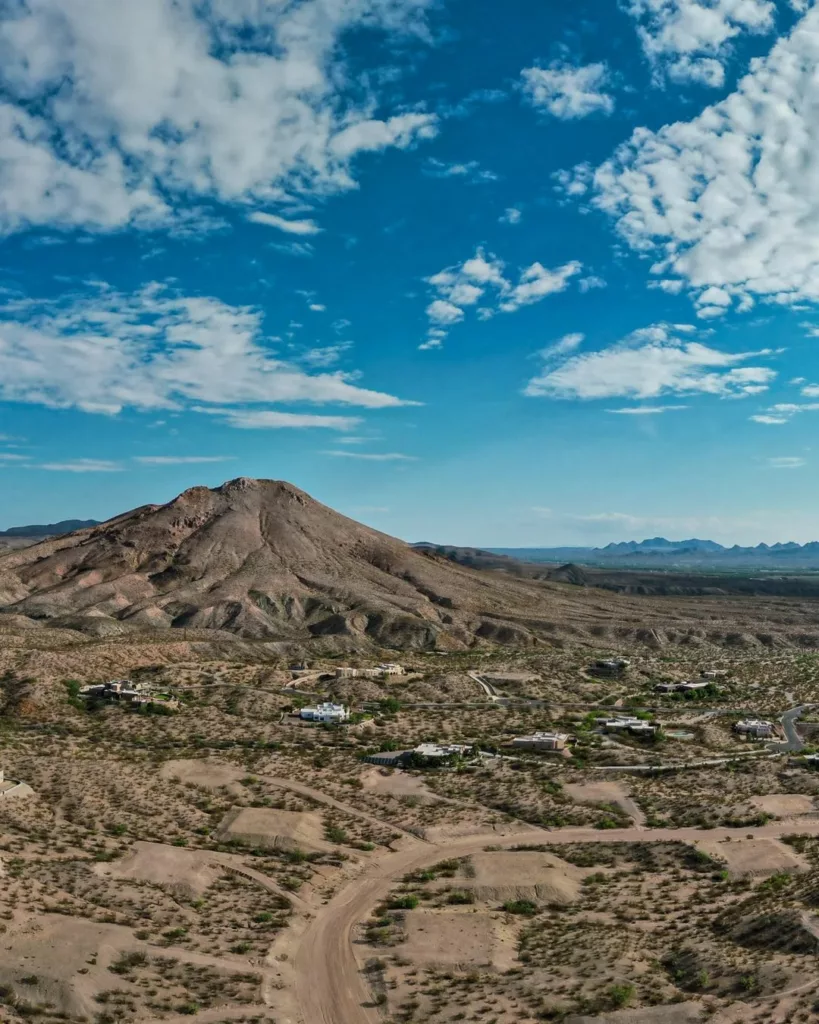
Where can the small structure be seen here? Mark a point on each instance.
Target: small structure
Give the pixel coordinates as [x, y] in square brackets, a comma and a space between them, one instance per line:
[686, 687]
[389, 758]
[327, 714]
[755, 729]
[13, 790]
[610, 667]
[627, 723]
[501, 678]
[541, 741]
[117, 689]
[390, 668]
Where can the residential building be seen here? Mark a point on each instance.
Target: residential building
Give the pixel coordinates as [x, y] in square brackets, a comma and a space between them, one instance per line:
[685, 687]
[610, 666]
[541, 741]
[327, 713]
[627, 723]
[755, 728]
[389, 668]
[439, 751]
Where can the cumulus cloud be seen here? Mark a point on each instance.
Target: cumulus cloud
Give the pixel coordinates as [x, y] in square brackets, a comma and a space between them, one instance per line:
[691, 40]
[103, 350]
[568, 91]
[649, 363]
[483, 279]
[727, 202]
[291, 227]
[115, 113]
[511, 215]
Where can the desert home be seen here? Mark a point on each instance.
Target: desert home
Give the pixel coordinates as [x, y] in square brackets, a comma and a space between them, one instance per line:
[124, 691]
[326, 713]
[610, 667]
[541, 741]
[425, 754]
[385, 669]
[626, 723]
[686, 687]
[13, 790]
[755, 729]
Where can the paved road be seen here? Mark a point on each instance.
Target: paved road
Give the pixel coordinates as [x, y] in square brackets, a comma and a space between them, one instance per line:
[337, 994]
[793, 743]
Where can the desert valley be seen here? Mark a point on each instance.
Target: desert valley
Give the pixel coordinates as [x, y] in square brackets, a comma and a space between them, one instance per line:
[263, 763]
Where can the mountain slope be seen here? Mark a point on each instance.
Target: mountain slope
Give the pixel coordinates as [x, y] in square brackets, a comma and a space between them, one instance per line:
[263, 560]
[50, 529]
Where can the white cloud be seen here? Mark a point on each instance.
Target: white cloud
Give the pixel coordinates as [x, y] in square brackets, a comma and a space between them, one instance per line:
[511, 215]
[591, 283]
[115, 112]
[482, 278]
[783, 412]
[691, 40]
[82, 466]
[649, 363]
[316, 307]
[8, 457]
[329, 355]
[373, 456]
[471, 171]
[267, 419]
[291, 227]
[181, 460]
[568, 343]
[787, 462]
[103, 351]
[728, 201]
[811, 391]
[569, 91]
[646, 410]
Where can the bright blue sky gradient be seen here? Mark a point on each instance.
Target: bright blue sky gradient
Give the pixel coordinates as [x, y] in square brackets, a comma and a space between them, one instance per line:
[149, 327]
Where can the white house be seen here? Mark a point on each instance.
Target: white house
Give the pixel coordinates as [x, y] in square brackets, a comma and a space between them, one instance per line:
[389, 668]
[438, 750]
[755, 728]
[327, 713]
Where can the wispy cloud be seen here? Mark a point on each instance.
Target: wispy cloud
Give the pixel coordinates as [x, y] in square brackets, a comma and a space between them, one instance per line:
[81, 466]
[470, 172]
[511, 215]
[181, 460]
[652, 362]
[291, 227]
[646, 410]
[373, 456]
[266, 419]
[9, 457]
[783, 412]
[102, 350]
[787, 462]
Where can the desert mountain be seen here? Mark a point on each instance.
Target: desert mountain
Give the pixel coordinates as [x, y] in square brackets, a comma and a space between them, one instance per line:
[49, 530]
[263, 560]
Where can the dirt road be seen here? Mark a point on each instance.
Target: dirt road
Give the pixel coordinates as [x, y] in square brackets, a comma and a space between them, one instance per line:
[337, 994]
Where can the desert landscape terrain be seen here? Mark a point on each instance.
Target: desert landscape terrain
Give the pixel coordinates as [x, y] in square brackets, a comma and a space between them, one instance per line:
[313, 791]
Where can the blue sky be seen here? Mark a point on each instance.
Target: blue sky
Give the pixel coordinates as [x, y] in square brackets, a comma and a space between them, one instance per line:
[487, 274]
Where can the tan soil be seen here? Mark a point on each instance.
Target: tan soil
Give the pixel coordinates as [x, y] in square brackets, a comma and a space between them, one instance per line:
[523, 874]
[397, 783]
[467, 938]
[281, 830]
[164, 865]
[681, 1013]
[604, 793]
[754, 856]
[208, 774]
[784, 805]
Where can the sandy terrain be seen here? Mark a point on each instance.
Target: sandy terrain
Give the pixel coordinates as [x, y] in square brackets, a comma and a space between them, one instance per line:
[397, 783]
[209, 774]
[682, 1013]
[605, 793]
[188, 870]
[758, 857]
[466, 938]
[522, 874]
[282, 830]
[784, 805]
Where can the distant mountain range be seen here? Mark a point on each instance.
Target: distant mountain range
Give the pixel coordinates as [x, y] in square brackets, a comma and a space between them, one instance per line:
[50, 529]
[660, 552]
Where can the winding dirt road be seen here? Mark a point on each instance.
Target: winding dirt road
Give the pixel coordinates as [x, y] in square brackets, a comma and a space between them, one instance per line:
[329, 986]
